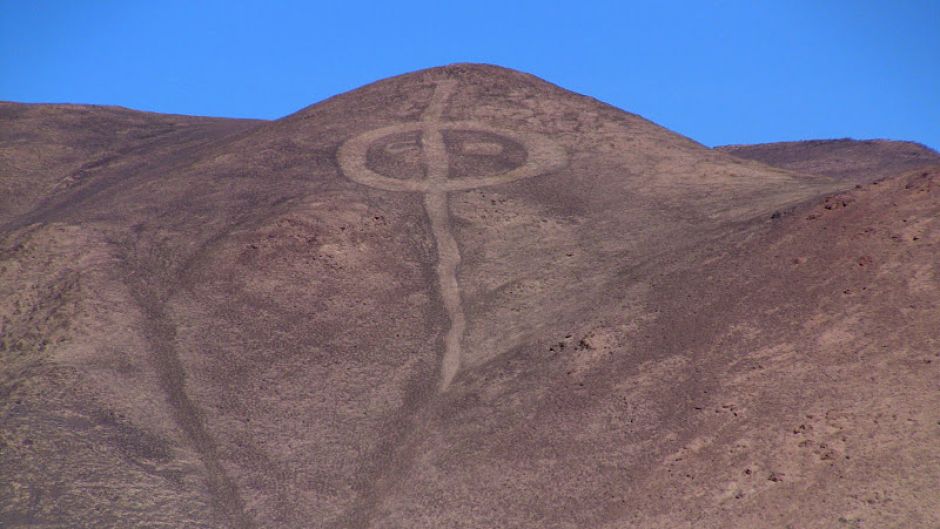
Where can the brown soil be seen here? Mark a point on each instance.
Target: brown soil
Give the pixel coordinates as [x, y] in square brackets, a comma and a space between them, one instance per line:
[520, 307]
[857, 161]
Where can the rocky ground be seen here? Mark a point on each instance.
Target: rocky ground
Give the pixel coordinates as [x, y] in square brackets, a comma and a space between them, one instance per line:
[462, 297]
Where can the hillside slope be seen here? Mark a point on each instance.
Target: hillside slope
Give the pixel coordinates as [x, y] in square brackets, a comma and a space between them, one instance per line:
[465, 297]
[46, 150]
[858, 161]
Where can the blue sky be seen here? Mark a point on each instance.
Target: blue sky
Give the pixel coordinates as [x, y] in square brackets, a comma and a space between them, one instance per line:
[717, 71]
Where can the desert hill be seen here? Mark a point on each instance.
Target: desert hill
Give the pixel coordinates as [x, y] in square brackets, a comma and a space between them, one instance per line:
[461, 297]
[859, 161]
[48, 149]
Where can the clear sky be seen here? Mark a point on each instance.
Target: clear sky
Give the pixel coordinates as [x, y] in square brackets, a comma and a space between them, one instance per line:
[717, 71]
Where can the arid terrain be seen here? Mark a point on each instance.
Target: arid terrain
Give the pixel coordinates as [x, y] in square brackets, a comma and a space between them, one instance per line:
[462, 298]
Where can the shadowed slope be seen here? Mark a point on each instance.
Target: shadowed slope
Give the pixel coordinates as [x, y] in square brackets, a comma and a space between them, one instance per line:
[785, 375]
[857, 161]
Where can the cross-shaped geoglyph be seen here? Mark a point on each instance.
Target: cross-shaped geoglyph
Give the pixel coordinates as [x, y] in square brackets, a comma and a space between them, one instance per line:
[542, 156]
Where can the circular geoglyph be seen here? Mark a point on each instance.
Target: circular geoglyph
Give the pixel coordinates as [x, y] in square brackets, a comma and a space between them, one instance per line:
[542, 156]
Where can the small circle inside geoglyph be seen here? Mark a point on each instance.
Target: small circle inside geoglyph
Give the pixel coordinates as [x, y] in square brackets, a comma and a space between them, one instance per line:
[479, 153]
[397, 156]
[481, 148]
